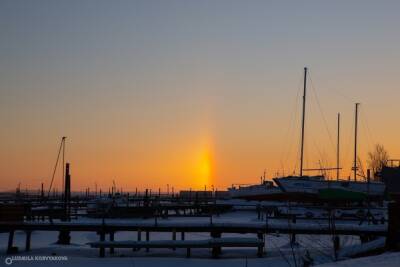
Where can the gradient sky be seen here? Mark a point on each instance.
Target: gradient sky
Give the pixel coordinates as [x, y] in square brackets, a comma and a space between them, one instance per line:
[189, 93]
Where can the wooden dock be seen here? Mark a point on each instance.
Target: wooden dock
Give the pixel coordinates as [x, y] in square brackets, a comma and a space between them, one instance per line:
[216, 229]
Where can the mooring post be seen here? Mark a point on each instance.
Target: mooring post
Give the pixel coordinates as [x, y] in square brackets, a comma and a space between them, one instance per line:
[112, 240]
[28, 240]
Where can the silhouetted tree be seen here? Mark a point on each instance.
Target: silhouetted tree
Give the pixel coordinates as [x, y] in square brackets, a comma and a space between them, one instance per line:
[377, 159]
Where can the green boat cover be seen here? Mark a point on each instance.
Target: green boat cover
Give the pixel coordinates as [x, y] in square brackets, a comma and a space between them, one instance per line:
[341, 194]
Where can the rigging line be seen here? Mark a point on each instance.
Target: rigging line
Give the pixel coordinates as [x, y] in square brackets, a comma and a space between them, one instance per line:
[369, 144]
[321, 155]
[322, 113]
[290, 143]
[364, 112]
[63, 163]
[364, 121]
[296, 161]
[55, 168]
[293, 116]
[349, 141]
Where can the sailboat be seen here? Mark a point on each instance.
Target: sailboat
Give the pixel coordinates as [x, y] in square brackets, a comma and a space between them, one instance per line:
[318, 186]
[265, 190]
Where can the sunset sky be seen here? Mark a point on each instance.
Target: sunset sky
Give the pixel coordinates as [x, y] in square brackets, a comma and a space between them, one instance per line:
[192, 93]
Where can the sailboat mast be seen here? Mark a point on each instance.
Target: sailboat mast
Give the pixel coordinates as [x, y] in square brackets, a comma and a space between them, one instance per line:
[338, 147]
[355, 143]
[302, 123]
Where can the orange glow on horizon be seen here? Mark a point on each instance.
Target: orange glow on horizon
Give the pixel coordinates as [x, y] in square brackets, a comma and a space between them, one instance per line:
[204, 168]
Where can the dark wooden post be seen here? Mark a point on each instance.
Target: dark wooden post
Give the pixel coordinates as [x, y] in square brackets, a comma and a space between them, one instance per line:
[260, 250]
[182, 235]
[336, 245]
[217, 249]
[28, 240]
[139, 237]
[174, 237]
[293, 236]
[112, 240]
[10, 248]
[64, 237]
[102, 239]
[147, 239]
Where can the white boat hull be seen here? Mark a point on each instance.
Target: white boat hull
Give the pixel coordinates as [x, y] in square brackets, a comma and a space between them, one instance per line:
[311, 186]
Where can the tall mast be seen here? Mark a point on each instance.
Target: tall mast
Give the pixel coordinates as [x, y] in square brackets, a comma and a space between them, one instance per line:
[355, 143]
[302, 123]
[338, 147]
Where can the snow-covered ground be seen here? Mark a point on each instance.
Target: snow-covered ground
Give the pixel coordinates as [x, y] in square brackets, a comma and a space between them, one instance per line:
[383, 260]
[279, 252]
